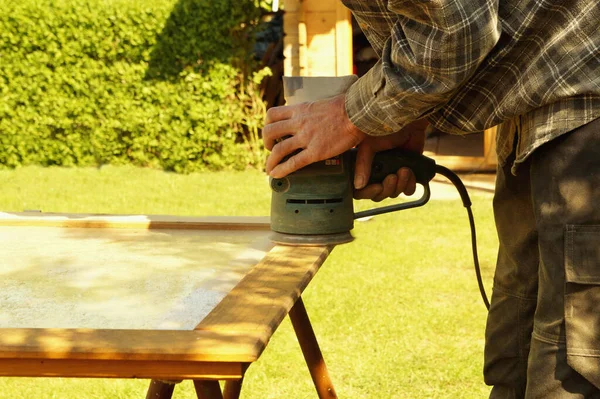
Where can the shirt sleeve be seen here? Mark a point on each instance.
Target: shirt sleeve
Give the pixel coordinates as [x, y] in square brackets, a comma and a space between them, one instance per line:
[427, 50]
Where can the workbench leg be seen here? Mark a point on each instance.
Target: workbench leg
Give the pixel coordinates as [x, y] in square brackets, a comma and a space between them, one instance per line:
[208, 389]
[160, 390]
[212, 390]
[310, 350]
[232, 390]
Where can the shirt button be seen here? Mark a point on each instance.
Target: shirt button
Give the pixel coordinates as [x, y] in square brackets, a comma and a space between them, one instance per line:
[387, 128]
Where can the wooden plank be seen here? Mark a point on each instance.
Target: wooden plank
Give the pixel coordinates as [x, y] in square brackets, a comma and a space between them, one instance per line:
[120, 369]
[294, 44]
[303, 55]
[321, 39]
[462, 163]
[142, 345]
[319, 5]
[133, 221]
[489, 146]
[265, 296]
[318, 39]
[343, 40]
[291, 61]
[235, 331]
[231, 336]
[292, 5]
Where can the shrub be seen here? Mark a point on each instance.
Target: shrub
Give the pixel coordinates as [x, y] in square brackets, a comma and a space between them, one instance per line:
[165, 84]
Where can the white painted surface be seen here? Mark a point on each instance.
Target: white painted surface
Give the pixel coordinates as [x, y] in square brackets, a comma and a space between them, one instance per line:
[119, 278]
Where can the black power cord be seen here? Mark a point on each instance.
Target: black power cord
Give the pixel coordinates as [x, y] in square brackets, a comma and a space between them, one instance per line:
[464, 196]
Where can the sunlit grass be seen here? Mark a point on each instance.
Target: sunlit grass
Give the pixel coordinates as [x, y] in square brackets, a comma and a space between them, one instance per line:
[397, 312]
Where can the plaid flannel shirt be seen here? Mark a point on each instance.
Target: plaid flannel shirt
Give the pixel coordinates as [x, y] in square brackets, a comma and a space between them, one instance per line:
[468, 65]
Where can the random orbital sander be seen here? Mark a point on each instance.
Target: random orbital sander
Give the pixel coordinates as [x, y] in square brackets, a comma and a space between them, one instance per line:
[314, 205]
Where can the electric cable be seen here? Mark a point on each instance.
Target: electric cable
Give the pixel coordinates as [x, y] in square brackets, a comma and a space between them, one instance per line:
[464, 196]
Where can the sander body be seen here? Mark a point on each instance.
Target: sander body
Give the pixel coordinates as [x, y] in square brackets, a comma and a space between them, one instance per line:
[314, 205]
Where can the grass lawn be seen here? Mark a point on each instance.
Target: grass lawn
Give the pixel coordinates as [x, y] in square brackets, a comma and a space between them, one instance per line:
[397, 312]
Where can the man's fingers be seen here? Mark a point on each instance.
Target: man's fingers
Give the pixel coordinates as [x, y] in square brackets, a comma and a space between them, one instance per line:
[369, 192]
[280, 151]
[403, 182]
[362, 168]
[275, 114]
[389, 186]
[377, 192]
[294, 163]
[406, 182]
[277, 130]
[411, 185]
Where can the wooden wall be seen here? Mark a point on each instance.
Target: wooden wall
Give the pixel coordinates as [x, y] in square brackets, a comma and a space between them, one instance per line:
[318, 39]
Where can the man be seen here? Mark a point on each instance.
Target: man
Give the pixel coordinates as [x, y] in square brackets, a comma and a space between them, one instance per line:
[532, 67]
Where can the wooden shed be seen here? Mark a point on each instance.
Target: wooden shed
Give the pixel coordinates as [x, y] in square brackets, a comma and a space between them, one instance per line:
[322, 39]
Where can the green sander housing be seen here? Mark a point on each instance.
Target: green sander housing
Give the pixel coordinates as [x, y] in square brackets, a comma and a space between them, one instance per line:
[314, 205]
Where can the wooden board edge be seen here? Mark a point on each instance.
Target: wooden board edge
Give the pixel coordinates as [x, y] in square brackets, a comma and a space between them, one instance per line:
[74, 220]
[130, 345]
[262, 299]
[169, 370]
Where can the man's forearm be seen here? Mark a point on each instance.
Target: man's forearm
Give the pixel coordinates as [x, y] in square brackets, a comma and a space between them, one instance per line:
[428, 49]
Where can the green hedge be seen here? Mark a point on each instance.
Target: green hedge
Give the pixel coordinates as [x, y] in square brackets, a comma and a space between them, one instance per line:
[158, 83]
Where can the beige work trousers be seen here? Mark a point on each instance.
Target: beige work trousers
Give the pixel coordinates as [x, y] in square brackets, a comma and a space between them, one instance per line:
[543, 328]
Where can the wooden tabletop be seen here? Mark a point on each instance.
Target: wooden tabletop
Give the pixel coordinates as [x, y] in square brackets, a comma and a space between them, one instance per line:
[220, 345]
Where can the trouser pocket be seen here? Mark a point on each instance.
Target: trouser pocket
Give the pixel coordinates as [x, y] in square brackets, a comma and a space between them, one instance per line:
[582, 300]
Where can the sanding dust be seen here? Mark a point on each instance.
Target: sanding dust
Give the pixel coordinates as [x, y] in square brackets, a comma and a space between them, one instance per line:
[119, 278]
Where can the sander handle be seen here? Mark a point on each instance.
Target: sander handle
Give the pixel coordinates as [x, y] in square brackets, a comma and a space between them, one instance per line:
[389, 162]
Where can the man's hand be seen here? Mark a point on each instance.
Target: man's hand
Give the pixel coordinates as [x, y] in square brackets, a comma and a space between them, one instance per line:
[412, 138]
[320, 129]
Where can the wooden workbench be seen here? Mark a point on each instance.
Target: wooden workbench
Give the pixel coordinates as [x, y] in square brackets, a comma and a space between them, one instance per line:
[162, 298]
